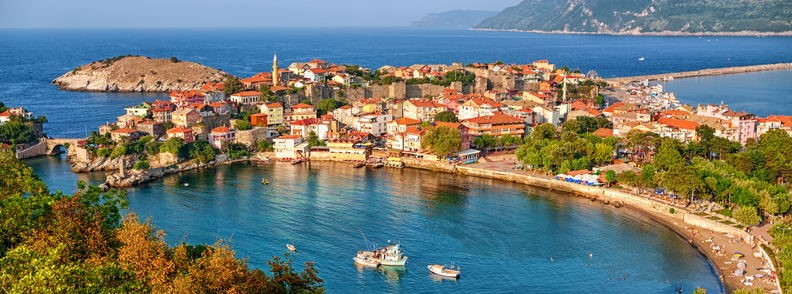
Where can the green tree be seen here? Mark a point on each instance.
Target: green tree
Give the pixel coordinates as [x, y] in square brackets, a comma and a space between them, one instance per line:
[243, 125]
[283, 129]
[602, 153]
[648, 176]
[264, 146]
[174, 59]
[442, 140]
[610, 176]
[484, 141]
[313, 140]
[173, 146]
[446, 116]
[141, 165]
[747, 215]
[565, 167]
[104, 152]
[669, 155]
[544, 131]
[232, 85]
[328, 105]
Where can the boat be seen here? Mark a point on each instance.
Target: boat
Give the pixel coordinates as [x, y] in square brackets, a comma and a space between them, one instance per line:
[185, 184]
[366, 261]
[291, 247]
[641, 58]
[264, 181]
[388, 256]
[359, 165]
[378, 165]
[296, 161]
[443, 271]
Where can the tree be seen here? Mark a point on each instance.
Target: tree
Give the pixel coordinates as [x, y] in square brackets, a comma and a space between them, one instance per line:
[442, 140]
[243, 125]
[747, 215]
[264, 146]
[283, 129]
[173, 146]
[174, 59]
[328, 105]
[544, 131]
[684, 181]
[602, 153]
[446, 116]
[141, 165]
[648, 176]
[610, 176]
[669, 154]
[484, 141]
[313, 140]
[306, 101]
[565, 167]
[168, 125]
[232, 85]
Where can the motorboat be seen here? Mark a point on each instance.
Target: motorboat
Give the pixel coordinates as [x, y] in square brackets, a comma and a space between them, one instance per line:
[366, 261]
[641, 59]
[291, 247]
[359, 165]
[392, 256]
[443, 271]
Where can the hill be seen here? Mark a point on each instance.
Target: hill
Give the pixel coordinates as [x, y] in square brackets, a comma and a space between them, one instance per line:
[646, 17]
[138, 74]
[454, 19]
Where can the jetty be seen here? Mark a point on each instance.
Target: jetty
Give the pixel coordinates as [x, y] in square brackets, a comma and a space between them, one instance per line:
[705, 72]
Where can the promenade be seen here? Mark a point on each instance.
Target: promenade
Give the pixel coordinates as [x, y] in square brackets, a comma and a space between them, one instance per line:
[705, 72]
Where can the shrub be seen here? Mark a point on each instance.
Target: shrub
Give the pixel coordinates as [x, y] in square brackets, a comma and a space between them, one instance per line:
[153, 148]
[104, 152]
[174, 59]
[672, 211]
[66, 145]
[141, 165]
[141, 82]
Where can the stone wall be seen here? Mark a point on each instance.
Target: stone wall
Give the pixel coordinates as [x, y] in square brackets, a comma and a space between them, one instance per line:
[251, 137]
[605, 194]
[33, 151]
[423, 90]
[428, 165]
[214, 121]
[327, 156]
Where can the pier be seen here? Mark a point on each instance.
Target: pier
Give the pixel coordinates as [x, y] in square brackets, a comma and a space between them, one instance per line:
[705, 72]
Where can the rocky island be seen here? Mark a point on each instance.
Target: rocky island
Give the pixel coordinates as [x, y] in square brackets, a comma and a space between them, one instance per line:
[138, 74]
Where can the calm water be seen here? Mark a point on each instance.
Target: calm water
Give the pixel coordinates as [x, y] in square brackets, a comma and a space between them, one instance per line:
[760, 93]
[501, 234]
[30, 59]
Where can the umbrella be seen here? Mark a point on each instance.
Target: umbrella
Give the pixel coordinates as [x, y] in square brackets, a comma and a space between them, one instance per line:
[741, 266]
[759, 275]
[738, 254]
[739, 272]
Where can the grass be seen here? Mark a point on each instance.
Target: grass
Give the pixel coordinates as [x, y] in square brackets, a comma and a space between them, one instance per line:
[728, 222]
[701, 214]
[714, 218]
[726, 212]
[740, 226]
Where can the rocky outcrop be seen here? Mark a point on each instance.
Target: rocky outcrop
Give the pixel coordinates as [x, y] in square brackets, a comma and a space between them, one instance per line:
[138, 74]
[103, 163]
[136, 177]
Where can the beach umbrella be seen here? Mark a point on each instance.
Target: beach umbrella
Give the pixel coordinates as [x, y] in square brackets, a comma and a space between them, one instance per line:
[739, 272]
[759, 275]
[741, 265]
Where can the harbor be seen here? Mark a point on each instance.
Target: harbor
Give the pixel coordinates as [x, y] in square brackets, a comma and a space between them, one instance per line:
[703, 73]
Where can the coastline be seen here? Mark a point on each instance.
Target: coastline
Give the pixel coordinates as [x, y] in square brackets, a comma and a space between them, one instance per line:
[707, 72]
[664, 33]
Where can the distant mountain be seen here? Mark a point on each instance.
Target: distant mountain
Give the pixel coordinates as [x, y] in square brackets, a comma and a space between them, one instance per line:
[645, 16]
[455, 18]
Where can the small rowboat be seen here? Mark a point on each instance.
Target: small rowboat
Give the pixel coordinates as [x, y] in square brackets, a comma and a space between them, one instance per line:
[296, 161]
[359, 165]
[442, 271]
[291, 247]
[366, 261]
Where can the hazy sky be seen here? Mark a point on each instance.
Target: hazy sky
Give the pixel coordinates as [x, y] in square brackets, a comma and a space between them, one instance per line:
[226, 13]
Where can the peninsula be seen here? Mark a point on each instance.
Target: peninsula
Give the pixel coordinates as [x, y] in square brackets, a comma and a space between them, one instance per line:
[129, 73]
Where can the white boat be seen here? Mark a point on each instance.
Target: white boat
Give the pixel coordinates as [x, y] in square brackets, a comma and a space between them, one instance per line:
[641, 58]
[366, 261]
[392, 256]
[443, 271]
[291, 247]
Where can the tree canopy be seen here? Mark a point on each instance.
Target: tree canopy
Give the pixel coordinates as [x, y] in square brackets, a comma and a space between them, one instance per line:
[446, 116]
[442, 140]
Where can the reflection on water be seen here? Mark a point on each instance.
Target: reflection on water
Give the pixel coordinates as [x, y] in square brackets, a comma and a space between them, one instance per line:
[485, 226]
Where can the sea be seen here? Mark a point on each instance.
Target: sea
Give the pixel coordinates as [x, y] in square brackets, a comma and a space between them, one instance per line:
[502, 235]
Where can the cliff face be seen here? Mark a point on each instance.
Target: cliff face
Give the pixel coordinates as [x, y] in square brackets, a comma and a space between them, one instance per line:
[635, 17]
[138, 74]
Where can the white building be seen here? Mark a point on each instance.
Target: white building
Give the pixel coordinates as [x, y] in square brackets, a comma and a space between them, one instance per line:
[291, 146]
[374, 123]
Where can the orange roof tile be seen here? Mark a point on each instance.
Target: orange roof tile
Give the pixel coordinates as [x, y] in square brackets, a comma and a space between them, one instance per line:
[301, 105]
[179, 130]
[603, 132]
[678, 123]
[406, 121]
[247, 93]
[495, 119]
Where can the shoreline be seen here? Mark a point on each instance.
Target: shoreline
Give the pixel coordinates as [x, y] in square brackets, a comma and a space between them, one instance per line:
[656, 34]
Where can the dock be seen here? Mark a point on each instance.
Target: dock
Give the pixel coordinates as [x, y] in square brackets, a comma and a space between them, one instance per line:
[705, 72]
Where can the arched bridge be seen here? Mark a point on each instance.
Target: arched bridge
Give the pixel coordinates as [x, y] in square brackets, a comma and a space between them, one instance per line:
[56, 146]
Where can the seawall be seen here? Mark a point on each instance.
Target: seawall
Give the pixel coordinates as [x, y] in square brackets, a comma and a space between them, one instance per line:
[706, 72]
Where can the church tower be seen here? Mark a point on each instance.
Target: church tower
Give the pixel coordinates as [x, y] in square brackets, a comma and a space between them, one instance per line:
[275, 73]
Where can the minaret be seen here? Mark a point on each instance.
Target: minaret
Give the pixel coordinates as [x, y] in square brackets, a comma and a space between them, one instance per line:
[275, 74]
[565, 89]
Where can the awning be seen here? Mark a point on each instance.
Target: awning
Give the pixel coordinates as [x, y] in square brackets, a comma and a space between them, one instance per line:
[467, 152]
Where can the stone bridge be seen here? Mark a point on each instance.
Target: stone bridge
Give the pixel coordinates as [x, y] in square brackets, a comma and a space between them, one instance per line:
[56, 146]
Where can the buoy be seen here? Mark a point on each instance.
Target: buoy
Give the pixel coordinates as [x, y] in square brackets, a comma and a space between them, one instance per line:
[591, 255]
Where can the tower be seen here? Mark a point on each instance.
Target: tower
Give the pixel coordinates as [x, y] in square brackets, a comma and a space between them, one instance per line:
[275, 74]
[565, 89]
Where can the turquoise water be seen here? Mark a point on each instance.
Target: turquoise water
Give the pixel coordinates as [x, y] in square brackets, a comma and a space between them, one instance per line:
[761, 93]
[501, 234]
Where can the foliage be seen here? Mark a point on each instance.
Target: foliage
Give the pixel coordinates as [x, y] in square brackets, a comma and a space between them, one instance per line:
[446, 116]
[610, 176]
[16, 132]
[168, 125]
[442, 140]
[584, 124]
[743, 291]
[173, 146]
[326, 106]
[80, 243]
[669, 155]
[104, 152]
[174, 59]
[152, 148]
[283, 129]
[544, 131]
[306, 101]
[484, 141]
[243, 125]
[747, 215]
[201, 151]
[265, 146]
[232, 85]
[313, 140]
[141, 165]
[389, 80]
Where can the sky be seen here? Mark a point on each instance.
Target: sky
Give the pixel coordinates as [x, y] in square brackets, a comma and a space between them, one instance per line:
[227, 13]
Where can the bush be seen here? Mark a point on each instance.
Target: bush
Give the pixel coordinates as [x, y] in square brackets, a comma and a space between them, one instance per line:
[243, 125]
[153, 148]
[672, 211]
[264, 146]
[66, 145]
[104, 152]
[174, 59]
[141, 165]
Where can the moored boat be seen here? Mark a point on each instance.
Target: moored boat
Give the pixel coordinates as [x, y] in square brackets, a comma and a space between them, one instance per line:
[366, 261]
[291, 247]
[359, 165]
[392, 256]
[443, 271]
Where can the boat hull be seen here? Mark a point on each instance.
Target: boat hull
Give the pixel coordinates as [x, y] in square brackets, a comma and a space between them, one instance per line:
[364, 262]
[442, 273]
[400, 262]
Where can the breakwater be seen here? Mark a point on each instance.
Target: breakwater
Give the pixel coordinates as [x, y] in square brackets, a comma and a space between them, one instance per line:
[705, 72]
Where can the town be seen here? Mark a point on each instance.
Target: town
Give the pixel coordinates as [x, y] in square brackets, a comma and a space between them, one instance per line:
[532, 123]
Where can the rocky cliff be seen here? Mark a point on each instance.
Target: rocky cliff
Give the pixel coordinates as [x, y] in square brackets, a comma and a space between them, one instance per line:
[138, 74]
[652, 17]
[454, 19]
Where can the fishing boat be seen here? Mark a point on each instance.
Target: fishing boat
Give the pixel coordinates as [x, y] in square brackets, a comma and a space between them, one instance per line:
[443, 271]
[388, 256]
[296, 161]
[378, 165]
[291, 247]
[359, 164]
[366, 261]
